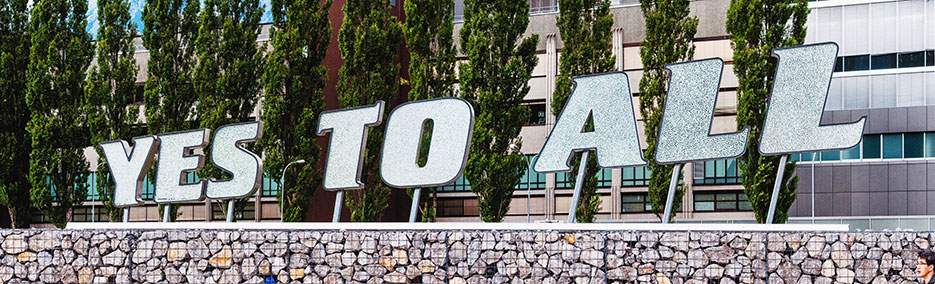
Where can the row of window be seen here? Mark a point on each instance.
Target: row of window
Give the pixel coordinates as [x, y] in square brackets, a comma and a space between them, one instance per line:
[270, 187]
[875, 28]
[537, 7]
[884, 61]
[881, 146]
[704, 201]
[881, 91]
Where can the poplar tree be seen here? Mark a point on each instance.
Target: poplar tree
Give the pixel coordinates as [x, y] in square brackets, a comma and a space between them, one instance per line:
[60, 53]
[756, 28]
[494, 80]
[369, 40]
[111, 85]
[14, 115]
[669, 35]
[585, 31]
[429, 37]
[293, 81]
[227, 77]
[170, 28]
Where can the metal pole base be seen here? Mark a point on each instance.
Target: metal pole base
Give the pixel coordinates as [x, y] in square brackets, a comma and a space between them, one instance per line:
[338, 203]
[230, 211]
[126, 215]
[165, 213]
[671, 194]
[414, 210]
[578, 181]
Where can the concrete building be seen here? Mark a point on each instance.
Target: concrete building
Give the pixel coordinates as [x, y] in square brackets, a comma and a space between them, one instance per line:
[884, 71]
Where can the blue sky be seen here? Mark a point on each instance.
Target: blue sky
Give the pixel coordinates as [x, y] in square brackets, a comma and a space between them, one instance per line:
[136, 11]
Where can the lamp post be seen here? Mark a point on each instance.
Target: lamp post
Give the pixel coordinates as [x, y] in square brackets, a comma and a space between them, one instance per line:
[282, 187]
[515, 148]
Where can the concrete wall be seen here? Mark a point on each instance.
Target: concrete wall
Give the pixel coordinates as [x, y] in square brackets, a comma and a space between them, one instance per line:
[455, 256]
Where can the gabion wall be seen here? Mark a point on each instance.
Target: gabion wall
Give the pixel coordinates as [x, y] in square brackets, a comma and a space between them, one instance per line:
[217, 256]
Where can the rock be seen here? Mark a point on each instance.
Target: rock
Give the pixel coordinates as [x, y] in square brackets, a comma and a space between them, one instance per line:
[593, 257]
[844, 275]
[570, 238]
[811, 266]
[223, 259]
[815, 246]
[426, 266]
[697, 258]
[866, 270]
[788, 271]
[775, 242]
[827, 268]
[388, 262]
[14, 244]
[395, 277]
[115, 258]
[177, 252]
[713, 271]
[841, 255]
[26, 256]
[720, 254]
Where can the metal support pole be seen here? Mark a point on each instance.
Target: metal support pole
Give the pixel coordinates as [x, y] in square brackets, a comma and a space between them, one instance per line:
[338, 203]
[165, 213]
[578, 181]
[230, 211]
[671, 195]
[413, 211]
[126, 215]
[528, 188]
[775, 197]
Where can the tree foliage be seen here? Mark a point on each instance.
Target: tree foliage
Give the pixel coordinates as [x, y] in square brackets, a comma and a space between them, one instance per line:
[585, 31]
[14, 115]
[170, 28]
[227, 77]
[429, 37]
[111, 84]
[494, 80]
[669, 35]
[293, 81]
[60, 53]
[369, 40]
[756, 28]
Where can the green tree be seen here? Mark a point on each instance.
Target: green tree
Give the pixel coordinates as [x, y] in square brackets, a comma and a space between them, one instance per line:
[669, 35]
[227, 78]
[170, 28]
[494, 80]
[14, 115]
[756, 28]
[429, 37]
[369, 40]
[585, 31]
[293, 82]
[60, 54]
[110, 83]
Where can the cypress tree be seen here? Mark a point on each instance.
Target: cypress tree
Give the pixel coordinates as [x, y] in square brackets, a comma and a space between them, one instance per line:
[756, 28]
[494, 80]
[369, 40]
[429, 37]
[60, 54]
[669, 35]
[293, 81]
[111, 82]
[227, 78]
[14, 115]
[585, 31]
[170, 28]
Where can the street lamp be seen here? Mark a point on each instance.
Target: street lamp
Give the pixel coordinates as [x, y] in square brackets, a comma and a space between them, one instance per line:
[515, 148]
[282, 187]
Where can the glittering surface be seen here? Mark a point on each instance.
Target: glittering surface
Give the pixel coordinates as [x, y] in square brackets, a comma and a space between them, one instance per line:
[607, 97]
[173, 164]
[227, 152]
[348, 129]
[451, 136]
[796, 103]
[128, 167]
[686, 120]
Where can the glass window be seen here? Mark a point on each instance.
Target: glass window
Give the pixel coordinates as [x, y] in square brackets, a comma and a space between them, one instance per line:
[149, 189]
[542, 6]
[635, 203]
[912, 25]
[857, 63]
[914, 145]
[635, 176]
[892, 146]
[831, 156]
[270, 186]
[930, 94]
[839, 64]
[912, 59]
[883, 61]
[605, 178]
[856, 91]
[531, 179]
[459, 12]
[829, 24]
[883, 92]
[719, 172]
[930, 57]
[855, 37]
[851, 154]
[883, 27]
[536, 114]
[930, 145]
[833, 100]
[461, 184]
[563, 181]
[721, 201]
[871, 147]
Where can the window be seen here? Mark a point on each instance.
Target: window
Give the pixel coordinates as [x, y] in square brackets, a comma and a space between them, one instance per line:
[270, 186]
[149, 189]
[851, 154]
[911, 59]
[137, 96]
[542, 6]
[635, 176]
[636, 203]
[857, 63]
[930, 144]
[930, 58]
[531, 179]
[461, 184]
[248, 212]
[721, 201]
[605, 178]
[717, 172]
[831, 156]
[839, 64]
[892, 146]
[563, 181]
[871, 146]
[536, 114]
[87, 214]
[914, 144]
[884, 61]
[457, 207]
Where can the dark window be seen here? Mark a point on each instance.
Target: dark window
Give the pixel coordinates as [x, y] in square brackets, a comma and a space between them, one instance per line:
[461, 184]
[872, 146]
[87, 214]
[457, 207]
[635, 176]
[536, 114]
[883, 61]
[857, 63]
[914, 144]
[831, 156]
[248, 212]
[930, 58]
[851, 154]
[892, 146]
[136, 97]
[930, 144]
[839, 64]
[635, 203]
[721, 201]
[912, 59]
[717, 172]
